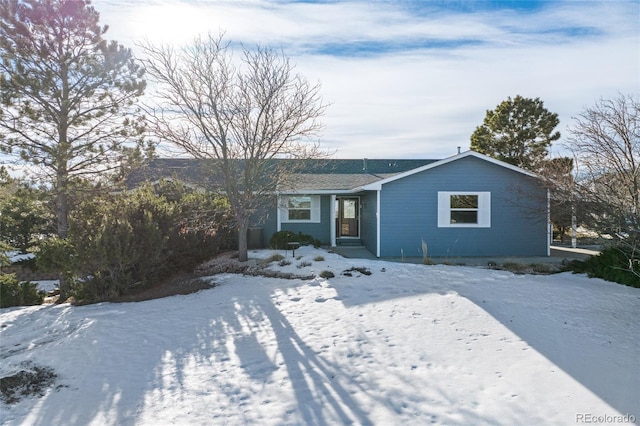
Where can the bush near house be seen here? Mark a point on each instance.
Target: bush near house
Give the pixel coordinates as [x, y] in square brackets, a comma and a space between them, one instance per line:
[16, 293]
[124, 243]
[280, 239]
[620, 264]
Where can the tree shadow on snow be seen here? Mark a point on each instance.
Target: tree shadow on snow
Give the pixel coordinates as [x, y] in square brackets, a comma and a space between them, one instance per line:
[569, 325]
[585, 329]
[230, 342]
[182, 346]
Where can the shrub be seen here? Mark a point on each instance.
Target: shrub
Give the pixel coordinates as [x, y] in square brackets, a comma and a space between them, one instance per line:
[303, 264]
[24, 214]
[319, 259]
[122, 243]
[515, 267]
[523, 268]
[327, 274]
[276, 257]
[619, 264]
[284, 262]
[280, 239]
[59, 255]
[541, 268]
[16, 293]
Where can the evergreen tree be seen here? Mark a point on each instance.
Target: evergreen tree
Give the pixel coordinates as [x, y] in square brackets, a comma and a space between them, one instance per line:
[519, 131]
[24, 213]
[67, 95]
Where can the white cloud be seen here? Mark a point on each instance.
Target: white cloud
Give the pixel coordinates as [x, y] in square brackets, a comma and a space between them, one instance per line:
[426, 100]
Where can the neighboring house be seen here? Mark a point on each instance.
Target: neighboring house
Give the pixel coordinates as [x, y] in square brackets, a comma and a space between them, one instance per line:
[465, 205]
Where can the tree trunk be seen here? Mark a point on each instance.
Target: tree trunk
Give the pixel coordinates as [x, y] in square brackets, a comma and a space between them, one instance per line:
[62, 215]
[243, 228]
[62, 211]
[62, 178]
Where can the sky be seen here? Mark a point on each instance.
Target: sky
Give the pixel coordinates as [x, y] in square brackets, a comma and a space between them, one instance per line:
[413, 78]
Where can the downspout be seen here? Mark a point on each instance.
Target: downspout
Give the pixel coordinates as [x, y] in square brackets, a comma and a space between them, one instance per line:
[378, 222]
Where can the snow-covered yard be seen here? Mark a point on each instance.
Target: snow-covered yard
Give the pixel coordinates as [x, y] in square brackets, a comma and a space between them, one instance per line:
[408, 344]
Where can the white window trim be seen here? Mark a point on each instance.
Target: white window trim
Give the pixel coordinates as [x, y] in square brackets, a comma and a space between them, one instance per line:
[444, 209]
[283, 209]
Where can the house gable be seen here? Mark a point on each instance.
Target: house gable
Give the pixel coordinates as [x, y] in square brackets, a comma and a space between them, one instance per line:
[510, 214]
[376, 186]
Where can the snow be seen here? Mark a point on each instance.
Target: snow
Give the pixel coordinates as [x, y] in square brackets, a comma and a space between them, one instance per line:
[47, 285]
[16, 256]
[408, 344]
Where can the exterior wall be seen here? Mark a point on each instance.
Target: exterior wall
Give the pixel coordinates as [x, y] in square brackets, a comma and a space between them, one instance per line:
[368, 220]
[409, 213]
[321, 231]
[267, 221]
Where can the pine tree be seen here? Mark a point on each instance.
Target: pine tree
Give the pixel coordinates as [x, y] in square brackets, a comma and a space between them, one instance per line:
[519, 131]
[67, 94]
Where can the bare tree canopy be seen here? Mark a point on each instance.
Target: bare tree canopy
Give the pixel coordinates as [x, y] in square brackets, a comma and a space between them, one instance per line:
[244, 113]
[606, 144]
[66, 93]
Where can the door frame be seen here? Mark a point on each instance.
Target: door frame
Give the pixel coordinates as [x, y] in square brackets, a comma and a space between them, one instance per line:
[336, 217]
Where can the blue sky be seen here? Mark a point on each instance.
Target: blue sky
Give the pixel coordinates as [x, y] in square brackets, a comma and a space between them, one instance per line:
[411, 78]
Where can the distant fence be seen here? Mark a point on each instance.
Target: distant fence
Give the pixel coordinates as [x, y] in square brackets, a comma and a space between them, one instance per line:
[27, 274]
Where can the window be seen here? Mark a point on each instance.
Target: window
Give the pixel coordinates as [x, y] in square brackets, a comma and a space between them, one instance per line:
[464, 209]
[300, 208]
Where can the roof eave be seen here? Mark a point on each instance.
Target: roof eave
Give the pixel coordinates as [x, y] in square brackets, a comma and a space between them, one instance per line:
[302, 191]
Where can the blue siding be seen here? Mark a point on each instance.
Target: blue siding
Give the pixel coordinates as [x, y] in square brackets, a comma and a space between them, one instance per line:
[368, 222]
[320, 231]
[409, 213]
[268, 222]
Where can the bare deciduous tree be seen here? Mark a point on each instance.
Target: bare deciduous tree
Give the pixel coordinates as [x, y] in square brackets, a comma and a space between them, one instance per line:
[242, 114]
[606, 145]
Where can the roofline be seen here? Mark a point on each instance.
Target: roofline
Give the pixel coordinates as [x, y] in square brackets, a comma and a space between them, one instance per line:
[320, 191]
[376, 186]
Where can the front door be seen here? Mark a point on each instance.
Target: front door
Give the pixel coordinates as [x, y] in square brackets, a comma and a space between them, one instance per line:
[347, 217]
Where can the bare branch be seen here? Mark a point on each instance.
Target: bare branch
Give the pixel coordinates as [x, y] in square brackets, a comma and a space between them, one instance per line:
[243, 113]
[606, 144]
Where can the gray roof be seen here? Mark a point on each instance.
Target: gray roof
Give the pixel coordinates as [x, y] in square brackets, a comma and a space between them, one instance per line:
[310, 174]
[333, 181]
